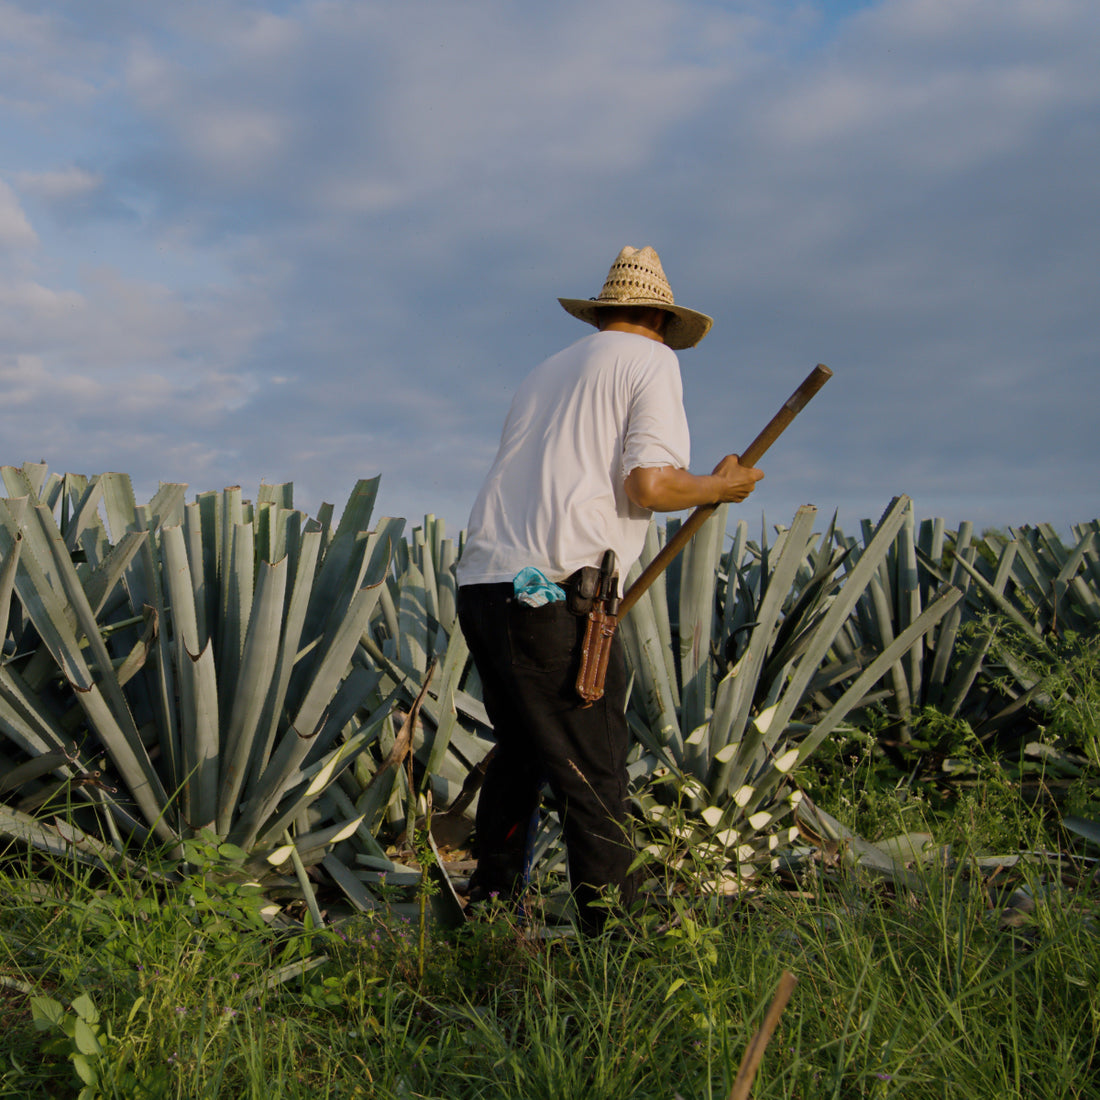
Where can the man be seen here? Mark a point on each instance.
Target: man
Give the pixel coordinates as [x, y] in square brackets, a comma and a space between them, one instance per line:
[596, 441]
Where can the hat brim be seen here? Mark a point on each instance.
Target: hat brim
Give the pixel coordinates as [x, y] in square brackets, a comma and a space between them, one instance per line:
[685, 328]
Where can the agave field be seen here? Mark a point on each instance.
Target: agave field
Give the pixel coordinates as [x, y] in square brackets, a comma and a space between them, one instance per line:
[298, 688]
[284, 703]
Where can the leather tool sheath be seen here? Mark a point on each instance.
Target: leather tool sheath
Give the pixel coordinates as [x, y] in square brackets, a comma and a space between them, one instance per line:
[599, 631]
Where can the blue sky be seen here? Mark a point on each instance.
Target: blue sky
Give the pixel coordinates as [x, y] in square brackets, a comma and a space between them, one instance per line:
[323, 240]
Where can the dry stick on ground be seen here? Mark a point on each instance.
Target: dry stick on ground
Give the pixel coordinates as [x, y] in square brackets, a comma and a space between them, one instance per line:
[760, 1040]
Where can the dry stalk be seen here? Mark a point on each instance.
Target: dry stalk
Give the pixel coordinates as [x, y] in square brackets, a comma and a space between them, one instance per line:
[755, 1050]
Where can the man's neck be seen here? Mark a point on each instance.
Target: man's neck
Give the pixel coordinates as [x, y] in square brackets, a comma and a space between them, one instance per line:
[638, 330]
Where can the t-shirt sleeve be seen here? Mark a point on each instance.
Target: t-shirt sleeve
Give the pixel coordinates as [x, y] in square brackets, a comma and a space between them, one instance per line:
[657, 429]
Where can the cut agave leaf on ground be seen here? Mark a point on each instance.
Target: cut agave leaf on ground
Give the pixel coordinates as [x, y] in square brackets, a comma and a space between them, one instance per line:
[1082, 827]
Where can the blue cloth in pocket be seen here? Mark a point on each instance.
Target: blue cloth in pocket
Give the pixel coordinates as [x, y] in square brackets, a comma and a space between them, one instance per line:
[533, 589]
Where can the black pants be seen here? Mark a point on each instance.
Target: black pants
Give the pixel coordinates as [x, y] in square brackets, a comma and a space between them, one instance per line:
[528, 660]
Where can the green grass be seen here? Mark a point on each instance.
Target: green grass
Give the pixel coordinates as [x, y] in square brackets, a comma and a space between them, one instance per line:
[185, 993]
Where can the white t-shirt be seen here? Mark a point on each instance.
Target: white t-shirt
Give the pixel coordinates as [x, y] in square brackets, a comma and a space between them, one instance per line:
[579, 423]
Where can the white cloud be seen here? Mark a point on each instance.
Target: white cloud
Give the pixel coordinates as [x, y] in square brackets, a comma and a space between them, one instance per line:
[152, 79]
[34, 308]
[976, 26]
[42, 63]
[366, 101]
[61, 184]
[358, 195]
[235, 141]
[263, 36]
[15, 230]
[918, 83]
[24, 379]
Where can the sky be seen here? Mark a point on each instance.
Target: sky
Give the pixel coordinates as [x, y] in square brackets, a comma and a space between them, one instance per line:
[323, 240]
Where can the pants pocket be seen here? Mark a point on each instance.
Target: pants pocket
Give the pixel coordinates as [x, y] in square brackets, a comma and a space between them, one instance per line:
[543, 638]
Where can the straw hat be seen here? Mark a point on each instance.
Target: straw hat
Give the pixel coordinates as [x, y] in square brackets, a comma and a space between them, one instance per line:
[636, 278]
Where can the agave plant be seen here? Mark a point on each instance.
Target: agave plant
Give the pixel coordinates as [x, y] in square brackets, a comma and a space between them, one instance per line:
[937, 670]
[178, 669]
[761, 679]
[230, 671]
[416, 630]
[1024, 590]
[1051, 587]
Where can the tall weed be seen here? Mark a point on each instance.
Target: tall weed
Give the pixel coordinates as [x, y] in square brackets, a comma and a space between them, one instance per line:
[929, 991]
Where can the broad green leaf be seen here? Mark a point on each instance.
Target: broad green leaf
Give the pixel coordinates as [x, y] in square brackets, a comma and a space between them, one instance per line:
[7, 580]
[255, 684]
[199, 725]
[699, 570]
[453, 665]
[238, 581]
[295, 743]
[412, 621]
[46, 1012]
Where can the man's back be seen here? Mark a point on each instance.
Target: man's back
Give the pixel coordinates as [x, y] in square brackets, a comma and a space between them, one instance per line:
[554, 496]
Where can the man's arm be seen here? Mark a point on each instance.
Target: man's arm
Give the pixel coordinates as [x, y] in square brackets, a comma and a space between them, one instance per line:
[671, 489]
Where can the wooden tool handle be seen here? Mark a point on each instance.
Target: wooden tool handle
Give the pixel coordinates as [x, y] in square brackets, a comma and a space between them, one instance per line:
[749, 457]
[791, 408]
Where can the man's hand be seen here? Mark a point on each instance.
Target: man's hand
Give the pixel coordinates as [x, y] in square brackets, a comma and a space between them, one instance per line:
[738, 481]
[670, 489]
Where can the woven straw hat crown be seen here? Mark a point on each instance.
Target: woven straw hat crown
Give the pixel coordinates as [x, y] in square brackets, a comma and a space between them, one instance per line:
[636, 278]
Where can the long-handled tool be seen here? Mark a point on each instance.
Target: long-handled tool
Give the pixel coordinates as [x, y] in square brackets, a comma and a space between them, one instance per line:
[590, 681]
